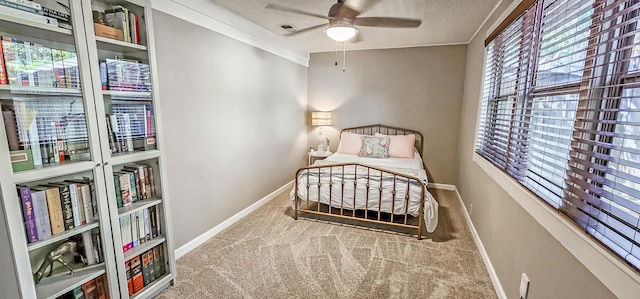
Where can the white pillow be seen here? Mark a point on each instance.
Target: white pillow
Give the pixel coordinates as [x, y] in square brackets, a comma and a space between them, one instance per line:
[401, 146]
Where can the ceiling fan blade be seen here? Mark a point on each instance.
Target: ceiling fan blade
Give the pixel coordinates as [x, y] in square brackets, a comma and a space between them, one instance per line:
[296, 11]
[306, 30]
[387, 22]
[361, 5]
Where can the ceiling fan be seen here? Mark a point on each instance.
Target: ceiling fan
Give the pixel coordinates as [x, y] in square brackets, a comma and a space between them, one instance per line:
[343, 17]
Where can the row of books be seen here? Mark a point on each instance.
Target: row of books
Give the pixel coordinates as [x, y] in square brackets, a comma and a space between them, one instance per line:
[125, 75]
[122, 18]
[97, 288]
[35, 12]
[133, 183]
[131, 130]
[145, 268]
[53, 208]
[139, 227]
[24, 63]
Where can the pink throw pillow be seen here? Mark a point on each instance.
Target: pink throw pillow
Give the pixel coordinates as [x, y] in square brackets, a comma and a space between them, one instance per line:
[350, 143]
[401, 146]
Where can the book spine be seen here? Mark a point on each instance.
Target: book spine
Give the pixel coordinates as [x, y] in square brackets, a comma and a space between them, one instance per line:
[136, 273]
[147, 225]
[123, 235]
[3, 69]
[67, 208]
[75, 206]
[116, 183]
[127, 266]
[60, 16]
[11, 128]
[29, 217]
[27, 3]
[141, 233]
[135, 241]
[125, 189]
[156, 262]
[87, 201]
[12, 4]
[43, 224]
[145, 269]
[128, 236]
[153, 222]
[87, 242]
[151, 270]
[55, 210]
[133, 187]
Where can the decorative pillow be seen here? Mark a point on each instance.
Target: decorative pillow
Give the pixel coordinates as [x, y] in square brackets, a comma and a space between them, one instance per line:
[350, 143]
[401, 146]
[375, 147]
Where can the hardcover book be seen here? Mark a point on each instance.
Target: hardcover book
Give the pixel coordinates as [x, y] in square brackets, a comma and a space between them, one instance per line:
[65, 202]
[54, 207]
[27, 212]
[136, 273]
[43, 224]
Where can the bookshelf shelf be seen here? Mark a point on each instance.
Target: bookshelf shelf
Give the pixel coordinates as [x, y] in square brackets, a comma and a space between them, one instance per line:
[63, 236]
[49, 91]
[128, 95]
[58, 284]
[52, 171]
[112, 45]
[129, 254]
[137, 206]
[124, 158]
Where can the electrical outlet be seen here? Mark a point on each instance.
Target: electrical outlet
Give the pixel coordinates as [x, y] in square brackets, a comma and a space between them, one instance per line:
[524, 286]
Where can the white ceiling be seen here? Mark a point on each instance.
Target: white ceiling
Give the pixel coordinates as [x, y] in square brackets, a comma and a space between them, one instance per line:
[443, 22]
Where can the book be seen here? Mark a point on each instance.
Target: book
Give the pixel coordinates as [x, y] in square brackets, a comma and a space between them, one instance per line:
[102, 287]
[127, 131]
[127, 267]
[87, 201]
[145, 268]
[153, 220]
[141, 233]
[54, 207]
[116, 183]
[161, 259]
[151, 267]
[75, 205]
[125, 189]
[87, 244]
[10, 64]
[11, 128]
[136, 274]
[26, 3]
[65, 202]
[97, 246]
[156, 262]
[147, 225]
[27, 212]
[3, 70]
[90, 289]
[41, 212]
[135, 238]
[133, 181]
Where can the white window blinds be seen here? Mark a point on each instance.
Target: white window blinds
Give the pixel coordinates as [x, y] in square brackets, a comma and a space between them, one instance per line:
[560, 113]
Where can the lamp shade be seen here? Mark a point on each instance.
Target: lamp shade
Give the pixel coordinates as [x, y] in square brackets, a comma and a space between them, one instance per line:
[341, 33]
[319, 118]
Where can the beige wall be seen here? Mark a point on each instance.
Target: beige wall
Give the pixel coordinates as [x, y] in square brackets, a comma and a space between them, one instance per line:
[515, 242]
[234, 123]
[416, 88]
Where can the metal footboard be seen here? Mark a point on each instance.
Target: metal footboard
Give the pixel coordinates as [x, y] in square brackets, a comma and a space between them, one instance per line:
[380, 186]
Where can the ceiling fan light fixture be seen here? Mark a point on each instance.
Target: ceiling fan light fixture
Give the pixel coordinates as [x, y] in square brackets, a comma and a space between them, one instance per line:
[341, 33]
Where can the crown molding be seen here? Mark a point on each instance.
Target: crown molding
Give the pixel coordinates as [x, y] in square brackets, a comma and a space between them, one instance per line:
[216, 18]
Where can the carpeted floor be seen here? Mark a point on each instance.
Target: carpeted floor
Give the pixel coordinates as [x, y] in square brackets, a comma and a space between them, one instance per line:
[269, 255]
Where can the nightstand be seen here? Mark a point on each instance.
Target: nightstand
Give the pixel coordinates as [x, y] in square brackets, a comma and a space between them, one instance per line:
[313, 156]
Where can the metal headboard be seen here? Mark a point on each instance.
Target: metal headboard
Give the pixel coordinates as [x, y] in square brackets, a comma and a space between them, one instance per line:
[388, 130]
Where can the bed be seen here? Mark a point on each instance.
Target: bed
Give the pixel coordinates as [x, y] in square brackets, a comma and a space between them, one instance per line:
[369, 186]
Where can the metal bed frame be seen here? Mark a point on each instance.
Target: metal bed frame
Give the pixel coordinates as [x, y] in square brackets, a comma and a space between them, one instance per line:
[336, 208]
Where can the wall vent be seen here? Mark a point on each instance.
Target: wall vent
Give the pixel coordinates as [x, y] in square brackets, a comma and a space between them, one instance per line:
[288, 28]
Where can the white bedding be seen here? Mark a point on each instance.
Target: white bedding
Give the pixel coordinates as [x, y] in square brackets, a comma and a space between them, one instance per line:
[413, 167]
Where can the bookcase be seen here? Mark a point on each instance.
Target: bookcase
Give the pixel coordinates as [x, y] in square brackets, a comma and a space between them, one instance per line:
[81, 115]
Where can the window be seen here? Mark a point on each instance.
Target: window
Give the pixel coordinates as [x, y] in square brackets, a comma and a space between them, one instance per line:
[560, 112]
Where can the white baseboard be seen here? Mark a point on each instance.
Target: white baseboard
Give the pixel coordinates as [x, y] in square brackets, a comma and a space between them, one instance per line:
[485, 257]
[442, 186]
[199, 240]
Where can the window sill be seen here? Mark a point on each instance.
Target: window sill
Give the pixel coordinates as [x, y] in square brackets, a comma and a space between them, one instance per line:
[623, 281]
